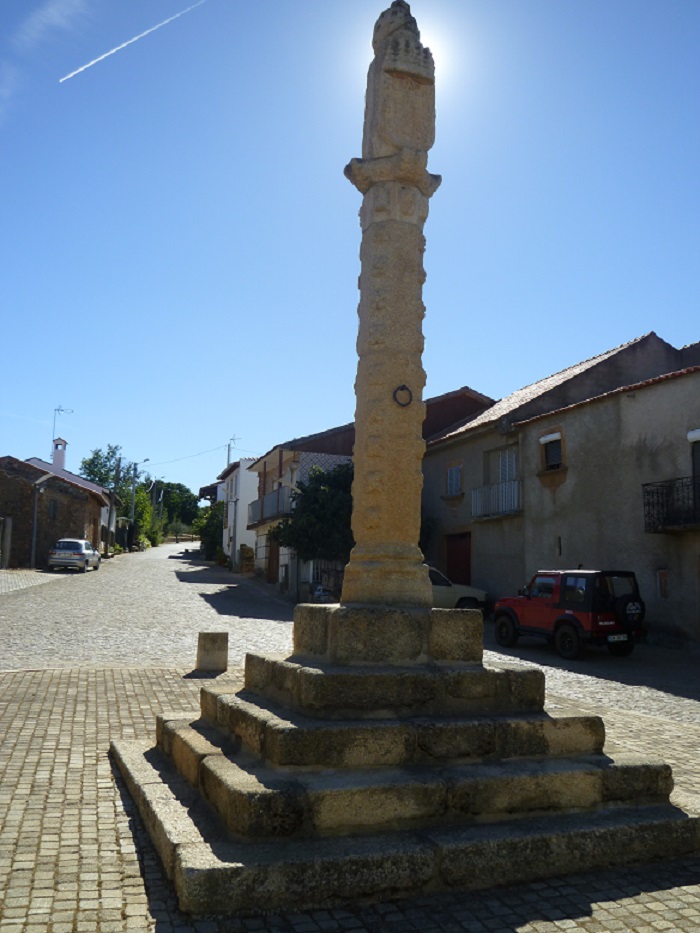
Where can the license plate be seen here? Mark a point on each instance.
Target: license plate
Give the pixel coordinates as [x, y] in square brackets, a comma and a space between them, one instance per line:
[617, 638]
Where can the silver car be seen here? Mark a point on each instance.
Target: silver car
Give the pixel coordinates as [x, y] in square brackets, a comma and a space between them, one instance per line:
[74, 552]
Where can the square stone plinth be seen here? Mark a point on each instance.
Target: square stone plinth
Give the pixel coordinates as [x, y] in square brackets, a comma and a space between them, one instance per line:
[387, 634]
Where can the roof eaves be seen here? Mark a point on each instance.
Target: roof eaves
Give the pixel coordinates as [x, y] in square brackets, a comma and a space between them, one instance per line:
[506, 407]
[620, 390]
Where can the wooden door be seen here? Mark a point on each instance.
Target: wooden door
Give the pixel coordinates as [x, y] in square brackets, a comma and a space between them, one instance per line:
[458, 562]
[273, 561]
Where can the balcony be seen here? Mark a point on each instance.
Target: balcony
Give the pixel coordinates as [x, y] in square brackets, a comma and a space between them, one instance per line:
[275, 504]
[672, 506]
[497, 499]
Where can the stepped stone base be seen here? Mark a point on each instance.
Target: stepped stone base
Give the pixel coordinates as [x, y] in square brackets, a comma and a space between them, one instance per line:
[405, 770]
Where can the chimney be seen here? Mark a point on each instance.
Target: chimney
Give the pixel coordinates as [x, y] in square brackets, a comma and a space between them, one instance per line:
[59, 453]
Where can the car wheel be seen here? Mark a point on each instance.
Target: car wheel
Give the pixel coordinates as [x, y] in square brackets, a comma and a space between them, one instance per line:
[85, 567]
[621, 649]
[506, 632]
[567, 642]
[467, 603]
[97, 565]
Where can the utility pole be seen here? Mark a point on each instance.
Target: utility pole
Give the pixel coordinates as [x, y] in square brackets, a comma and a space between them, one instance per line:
[112, 504]
[231, 443]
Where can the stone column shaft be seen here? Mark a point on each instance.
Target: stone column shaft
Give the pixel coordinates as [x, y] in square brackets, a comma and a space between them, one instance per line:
[386, 565]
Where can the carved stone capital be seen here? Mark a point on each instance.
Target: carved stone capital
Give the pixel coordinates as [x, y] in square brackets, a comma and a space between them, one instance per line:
[408, 167]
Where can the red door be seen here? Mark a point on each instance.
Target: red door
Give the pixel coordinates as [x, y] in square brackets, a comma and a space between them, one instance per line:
[458, 564]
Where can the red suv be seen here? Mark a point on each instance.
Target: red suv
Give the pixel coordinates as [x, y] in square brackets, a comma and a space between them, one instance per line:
[574, 607]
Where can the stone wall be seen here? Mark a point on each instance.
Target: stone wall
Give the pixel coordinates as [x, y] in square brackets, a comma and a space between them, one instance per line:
[63, 511]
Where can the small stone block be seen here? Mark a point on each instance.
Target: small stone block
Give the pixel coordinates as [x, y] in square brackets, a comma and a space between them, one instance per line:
[212, 651]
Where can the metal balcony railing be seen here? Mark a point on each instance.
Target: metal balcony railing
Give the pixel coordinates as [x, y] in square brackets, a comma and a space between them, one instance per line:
[275, 504]
[497, 499]
[673, 505]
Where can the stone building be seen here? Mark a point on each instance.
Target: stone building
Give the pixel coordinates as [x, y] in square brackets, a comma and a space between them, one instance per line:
[104, 536]
[63, 508]
[278, 473]
[552, 476]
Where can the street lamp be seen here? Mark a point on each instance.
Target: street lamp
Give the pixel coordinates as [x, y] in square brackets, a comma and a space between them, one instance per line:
[133, 486]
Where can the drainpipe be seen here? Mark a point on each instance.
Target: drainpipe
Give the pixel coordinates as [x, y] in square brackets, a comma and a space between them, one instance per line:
[37, 489]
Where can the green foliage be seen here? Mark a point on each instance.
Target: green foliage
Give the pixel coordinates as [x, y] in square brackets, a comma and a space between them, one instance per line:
[177, 528]
[180, 503]
[101, 468]
[209, 526]
[101, 465]
[155, 536]
[319, 527]
[143, 512]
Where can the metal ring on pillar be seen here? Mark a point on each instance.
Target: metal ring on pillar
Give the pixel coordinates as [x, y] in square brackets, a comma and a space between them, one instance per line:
[404, 389]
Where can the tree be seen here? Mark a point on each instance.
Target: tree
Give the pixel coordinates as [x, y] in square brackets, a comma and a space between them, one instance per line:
[143, 512]
[101, 468]
[319, 526]
[209, 526]
[181, 504]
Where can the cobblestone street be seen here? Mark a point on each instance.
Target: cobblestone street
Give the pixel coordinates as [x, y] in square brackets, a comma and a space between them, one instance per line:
[87, 658]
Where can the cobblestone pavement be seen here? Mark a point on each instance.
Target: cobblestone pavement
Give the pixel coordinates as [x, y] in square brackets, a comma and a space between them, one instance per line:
[141, 609]
[11, 580]
[94, 657]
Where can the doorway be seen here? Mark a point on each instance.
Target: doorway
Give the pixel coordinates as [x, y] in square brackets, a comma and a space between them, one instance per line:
[273, 561]
[458, 563]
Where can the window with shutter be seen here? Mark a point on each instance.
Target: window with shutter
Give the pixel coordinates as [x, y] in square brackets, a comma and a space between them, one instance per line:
[552, 455]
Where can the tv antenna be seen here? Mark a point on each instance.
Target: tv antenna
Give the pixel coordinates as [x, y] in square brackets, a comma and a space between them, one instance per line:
[58, 411]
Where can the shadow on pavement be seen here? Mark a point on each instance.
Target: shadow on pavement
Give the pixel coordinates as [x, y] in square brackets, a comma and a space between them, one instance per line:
[669, 670]
[246, 603]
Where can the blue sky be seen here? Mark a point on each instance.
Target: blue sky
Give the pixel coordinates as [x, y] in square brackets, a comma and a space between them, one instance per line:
[179, 247]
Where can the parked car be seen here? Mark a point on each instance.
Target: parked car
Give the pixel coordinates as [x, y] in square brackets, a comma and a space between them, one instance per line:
[74, 552]
[575, 607]
[448, 595]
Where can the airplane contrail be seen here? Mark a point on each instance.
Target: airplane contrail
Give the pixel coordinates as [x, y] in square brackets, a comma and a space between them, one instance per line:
[130, 41]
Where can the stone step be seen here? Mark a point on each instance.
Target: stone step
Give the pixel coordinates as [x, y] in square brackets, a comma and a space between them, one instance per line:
[286, 739]
[213, 874]
[255, 800]
[258, 803]
[379, 691]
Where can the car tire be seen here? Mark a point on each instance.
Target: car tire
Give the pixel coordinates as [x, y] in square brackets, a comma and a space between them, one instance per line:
[97, 565]
[621, 649]
[506, 632]
[85, 567]
[567, 641]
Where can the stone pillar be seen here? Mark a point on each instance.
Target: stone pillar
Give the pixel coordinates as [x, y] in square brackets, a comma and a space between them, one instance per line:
[386, 565]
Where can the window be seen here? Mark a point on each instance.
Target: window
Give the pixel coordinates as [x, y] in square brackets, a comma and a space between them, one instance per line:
[437, 579]
[574, 589]
[454, 480]
[503, 465]
[552, 452]
[543, 586]
[552, 455]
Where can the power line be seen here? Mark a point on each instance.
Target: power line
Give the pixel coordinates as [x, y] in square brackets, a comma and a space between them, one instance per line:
[201, 454]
